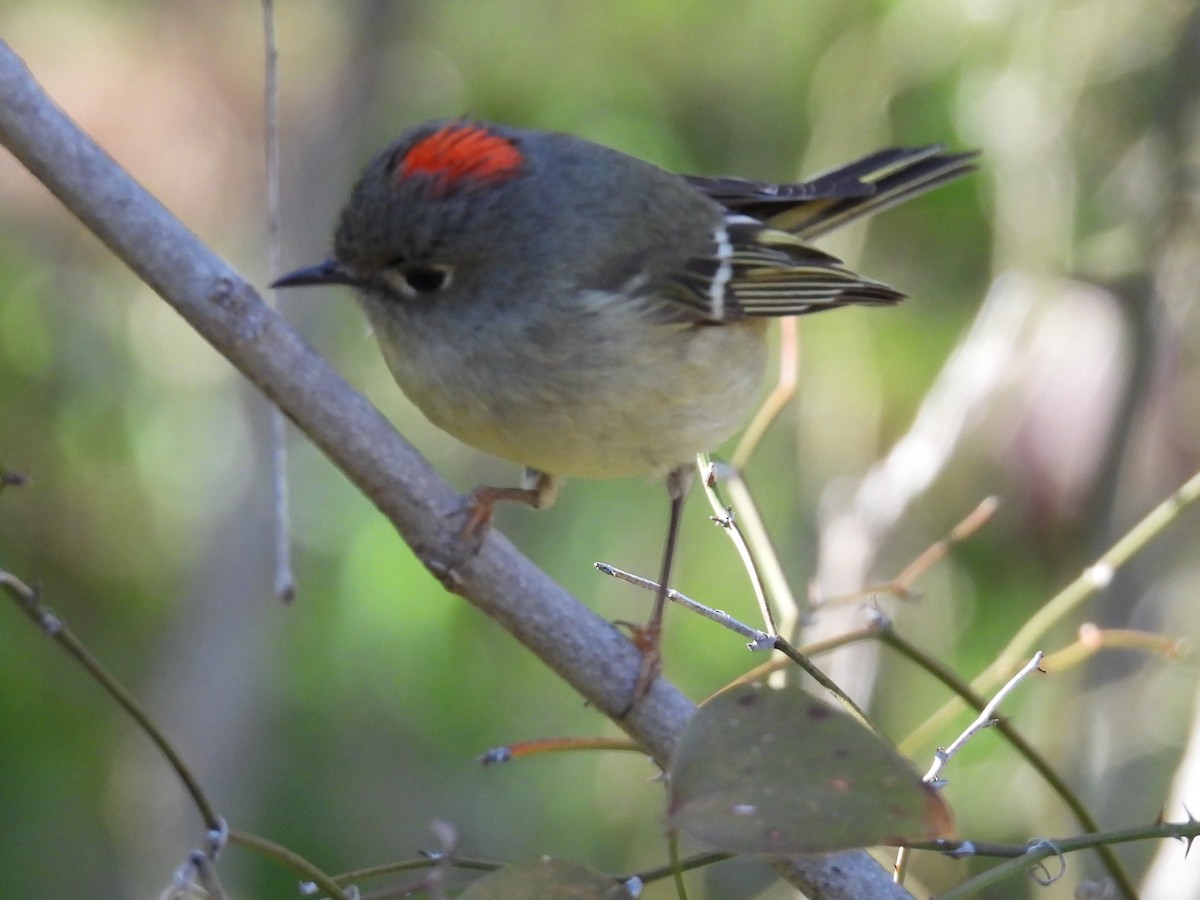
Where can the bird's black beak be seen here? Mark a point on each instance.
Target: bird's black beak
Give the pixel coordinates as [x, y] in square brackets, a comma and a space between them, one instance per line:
[328, 272]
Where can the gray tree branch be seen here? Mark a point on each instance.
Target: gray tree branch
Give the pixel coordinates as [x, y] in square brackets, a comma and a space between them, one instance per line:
[588, 652]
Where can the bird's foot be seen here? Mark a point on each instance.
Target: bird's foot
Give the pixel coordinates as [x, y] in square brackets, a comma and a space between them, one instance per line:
[472, 518]
[648, 640]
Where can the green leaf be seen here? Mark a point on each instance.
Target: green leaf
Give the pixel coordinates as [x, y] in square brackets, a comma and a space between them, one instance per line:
[763, 770]
[545, 878]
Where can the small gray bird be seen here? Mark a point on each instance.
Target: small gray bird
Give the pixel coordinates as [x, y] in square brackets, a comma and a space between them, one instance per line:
[585, 313]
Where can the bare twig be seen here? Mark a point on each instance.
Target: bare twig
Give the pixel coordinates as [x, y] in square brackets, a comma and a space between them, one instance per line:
[1093, 639]
[1043, 848]
[936, 552]
[724, 516]
[541, 746]
[985, 719]
[759, 640]
[30, 603]
[785, 609]
[901, 585]
[285, 576]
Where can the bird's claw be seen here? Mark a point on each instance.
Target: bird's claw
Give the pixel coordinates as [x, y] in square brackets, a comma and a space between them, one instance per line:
[648, 640]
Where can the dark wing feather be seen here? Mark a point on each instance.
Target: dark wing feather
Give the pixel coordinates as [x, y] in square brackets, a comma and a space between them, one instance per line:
[767, 269]
[810, 208]
[771, 273]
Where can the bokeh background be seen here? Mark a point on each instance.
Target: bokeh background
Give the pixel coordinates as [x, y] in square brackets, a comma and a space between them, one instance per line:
[343, 724]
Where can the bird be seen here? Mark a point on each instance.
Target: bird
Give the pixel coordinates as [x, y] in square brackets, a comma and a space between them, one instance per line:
[585, 313]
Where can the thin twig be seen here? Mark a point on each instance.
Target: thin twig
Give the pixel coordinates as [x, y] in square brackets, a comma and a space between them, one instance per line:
[786, 609]
[687, 864]
[289, 857]
[962, 849]
[409, 865]
[1023, 857]
[985, 719]
[724, 517]
[901, 585]
[826, 682]
[1093, 639]
[813, 648]
[285, 575]
[28, 602]
[759, 640]
[681, 891]
[936, 552]
[520, 749]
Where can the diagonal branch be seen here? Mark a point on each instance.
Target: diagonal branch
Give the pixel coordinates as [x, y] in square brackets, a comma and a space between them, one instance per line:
[227, 312]
[585, 650]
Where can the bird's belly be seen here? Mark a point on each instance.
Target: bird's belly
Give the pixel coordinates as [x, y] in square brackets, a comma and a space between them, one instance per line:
[642, 406]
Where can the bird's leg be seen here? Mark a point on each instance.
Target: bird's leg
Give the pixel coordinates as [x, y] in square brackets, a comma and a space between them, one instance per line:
[538, 489]
[649, 638]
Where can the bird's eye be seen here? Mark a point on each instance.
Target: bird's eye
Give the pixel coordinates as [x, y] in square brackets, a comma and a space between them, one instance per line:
[426, 279]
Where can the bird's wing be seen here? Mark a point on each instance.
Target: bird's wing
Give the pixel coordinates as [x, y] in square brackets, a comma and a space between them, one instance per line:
[760, 263]
[756, 270]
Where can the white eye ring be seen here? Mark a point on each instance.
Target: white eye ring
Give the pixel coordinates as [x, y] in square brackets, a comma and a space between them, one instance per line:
[414, 280]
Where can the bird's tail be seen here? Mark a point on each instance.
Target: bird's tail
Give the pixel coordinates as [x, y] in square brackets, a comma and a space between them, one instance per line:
[808, 209]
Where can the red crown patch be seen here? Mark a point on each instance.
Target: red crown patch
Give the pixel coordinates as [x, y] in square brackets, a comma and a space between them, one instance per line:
[461, 154]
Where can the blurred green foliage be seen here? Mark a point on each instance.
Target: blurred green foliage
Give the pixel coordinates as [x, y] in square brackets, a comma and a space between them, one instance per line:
[343, 724]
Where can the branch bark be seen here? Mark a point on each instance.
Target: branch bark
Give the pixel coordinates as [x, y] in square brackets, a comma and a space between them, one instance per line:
[588, 652]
